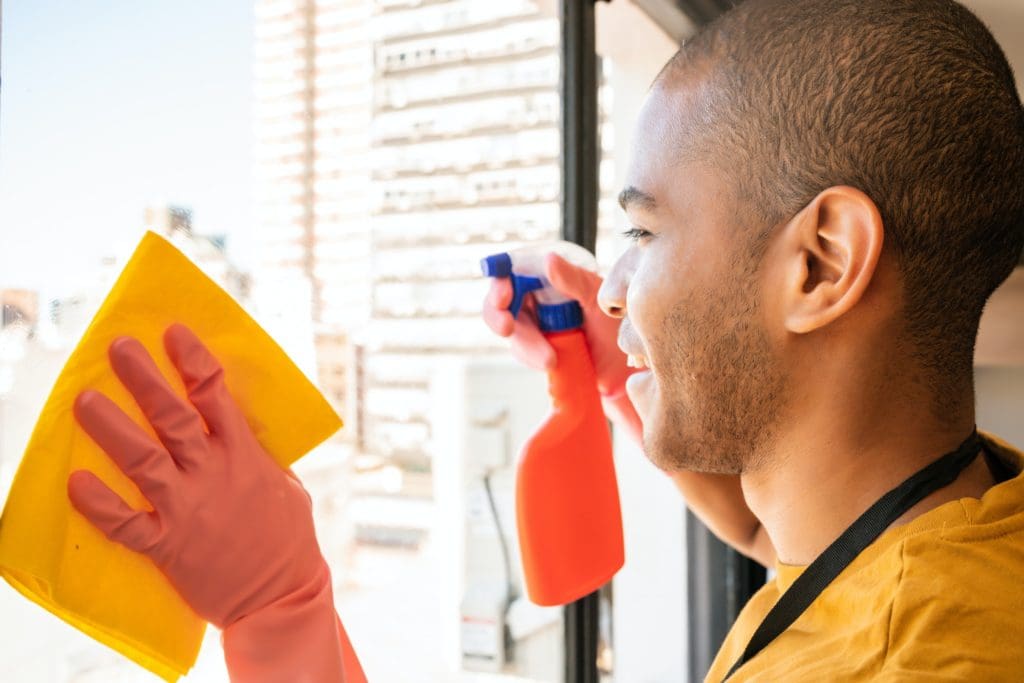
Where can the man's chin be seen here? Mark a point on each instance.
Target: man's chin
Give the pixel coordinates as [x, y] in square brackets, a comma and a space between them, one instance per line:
[679, 454]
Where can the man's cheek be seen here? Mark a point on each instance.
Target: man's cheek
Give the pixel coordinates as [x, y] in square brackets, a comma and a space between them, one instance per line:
[644, 301]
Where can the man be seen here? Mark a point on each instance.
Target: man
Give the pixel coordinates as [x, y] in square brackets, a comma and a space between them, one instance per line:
[824, 193]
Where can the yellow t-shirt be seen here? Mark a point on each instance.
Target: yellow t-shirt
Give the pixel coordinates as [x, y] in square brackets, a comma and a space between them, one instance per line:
[938, 599]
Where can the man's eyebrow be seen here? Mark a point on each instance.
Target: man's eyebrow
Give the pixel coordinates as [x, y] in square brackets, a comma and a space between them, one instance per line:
[633, 196]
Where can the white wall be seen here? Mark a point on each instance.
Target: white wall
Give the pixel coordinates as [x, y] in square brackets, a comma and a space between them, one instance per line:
[1000, 402]
[1000, 388]
[1005, 18]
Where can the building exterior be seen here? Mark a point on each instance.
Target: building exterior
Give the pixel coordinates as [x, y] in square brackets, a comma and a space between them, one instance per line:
[19, 307]
[465, 148]
[398, 142]
[208, 252]
[312, 71]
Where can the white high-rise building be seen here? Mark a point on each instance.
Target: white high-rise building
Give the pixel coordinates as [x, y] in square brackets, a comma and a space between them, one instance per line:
[313, 74]
[313, 68]
[465, 153]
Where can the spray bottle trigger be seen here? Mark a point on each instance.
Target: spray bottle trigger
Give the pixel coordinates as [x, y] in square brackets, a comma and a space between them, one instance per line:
[521, 286]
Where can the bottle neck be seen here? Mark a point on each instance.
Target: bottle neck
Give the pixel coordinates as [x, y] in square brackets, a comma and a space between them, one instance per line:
[573, 377]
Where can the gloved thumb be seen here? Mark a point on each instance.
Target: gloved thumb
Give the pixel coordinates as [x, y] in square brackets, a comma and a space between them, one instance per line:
[298, 482]
[137, 530]
[572, 281]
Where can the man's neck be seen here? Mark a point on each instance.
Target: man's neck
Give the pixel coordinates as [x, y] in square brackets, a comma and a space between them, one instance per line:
[822, 474]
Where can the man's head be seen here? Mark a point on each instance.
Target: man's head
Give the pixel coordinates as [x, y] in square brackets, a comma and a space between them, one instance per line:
[819, 179]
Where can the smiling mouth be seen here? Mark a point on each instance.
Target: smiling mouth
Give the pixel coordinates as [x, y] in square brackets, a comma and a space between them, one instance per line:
[629, 342]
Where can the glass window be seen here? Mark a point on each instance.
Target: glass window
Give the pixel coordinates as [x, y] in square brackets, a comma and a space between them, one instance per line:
[340, 167]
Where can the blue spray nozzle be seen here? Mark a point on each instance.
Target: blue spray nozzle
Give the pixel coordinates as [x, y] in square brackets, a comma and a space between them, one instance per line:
[521, 286]
[551, 317]
[497, 265]
[500, 265]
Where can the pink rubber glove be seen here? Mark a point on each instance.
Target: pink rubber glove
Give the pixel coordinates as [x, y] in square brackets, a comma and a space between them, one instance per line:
[602, 331]
[230, 528]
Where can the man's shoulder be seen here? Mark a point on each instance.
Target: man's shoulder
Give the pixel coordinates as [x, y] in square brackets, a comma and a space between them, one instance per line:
[971, 558]
[958, 605]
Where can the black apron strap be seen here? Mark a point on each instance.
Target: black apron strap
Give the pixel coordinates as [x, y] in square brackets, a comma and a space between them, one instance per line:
[851, 542]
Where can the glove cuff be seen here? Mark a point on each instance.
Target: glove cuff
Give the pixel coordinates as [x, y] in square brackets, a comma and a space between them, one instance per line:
[296, 638]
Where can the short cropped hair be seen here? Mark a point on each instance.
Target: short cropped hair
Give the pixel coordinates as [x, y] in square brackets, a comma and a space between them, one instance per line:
[910, 101]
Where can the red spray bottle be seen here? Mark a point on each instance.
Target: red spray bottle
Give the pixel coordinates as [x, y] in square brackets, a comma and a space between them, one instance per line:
[567, 499]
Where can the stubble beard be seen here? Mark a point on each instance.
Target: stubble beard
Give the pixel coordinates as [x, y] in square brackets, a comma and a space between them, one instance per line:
[721, 394]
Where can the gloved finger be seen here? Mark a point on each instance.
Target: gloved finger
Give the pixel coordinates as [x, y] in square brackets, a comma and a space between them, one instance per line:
[496, 313]
[133, 450]
[572, 281]
[176, 422]
[137, 530]
[204, 381]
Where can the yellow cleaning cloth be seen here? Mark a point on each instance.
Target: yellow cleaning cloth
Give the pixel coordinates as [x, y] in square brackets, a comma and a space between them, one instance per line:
[53, 555]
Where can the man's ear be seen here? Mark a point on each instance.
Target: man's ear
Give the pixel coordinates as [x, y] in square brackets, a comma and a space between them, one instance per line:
[830, 251]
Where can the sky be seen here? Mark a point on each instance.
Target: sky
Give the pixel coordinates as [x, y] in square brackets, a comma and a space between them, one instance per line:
[107, 106]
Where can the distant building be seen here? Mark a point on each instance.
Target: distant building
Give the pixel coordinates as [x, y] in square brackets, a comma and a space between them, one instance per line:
[168, 220]
[313, 76]
[465, 162]
[209, 252]
[20, 308]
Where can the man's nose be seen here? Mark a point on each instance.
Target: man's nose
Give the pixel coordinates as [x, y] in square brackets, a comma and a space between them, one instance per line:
[612, 295]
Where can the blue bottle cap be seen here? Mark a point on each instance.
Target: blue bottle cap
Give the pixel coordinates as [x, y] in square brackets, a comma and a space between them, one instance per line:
[559, 317]
[497, 265]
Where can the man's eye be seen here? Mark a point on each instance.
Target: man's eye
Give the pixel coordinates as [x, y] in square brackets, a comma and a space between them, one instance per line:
[636, 234]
